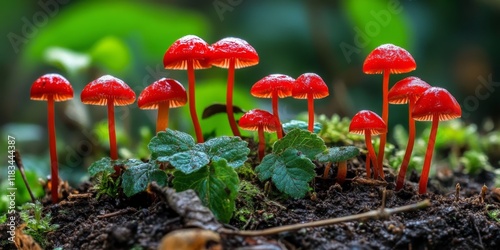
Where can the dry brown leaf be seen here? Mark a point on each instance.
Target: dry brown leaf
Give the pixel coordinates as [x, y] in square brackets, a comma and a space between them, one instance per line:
[24, 241]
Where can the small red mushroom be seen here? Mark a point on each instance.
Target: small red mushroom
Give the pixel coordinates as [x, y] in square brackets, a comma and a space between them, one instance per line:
[274, 86]
[260, 121]
[163, 94]
[189, 52]
[52, 88]
[368, 123]
[310, 86]
[111, 91]
[232, 53]
[408, 91]
[387, 59]
[435, 104]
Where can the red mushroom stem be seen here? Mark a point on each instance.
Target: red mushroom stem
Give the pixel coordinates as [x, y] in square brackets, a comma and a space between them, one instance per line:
[229, 98]
[341, 172]
[409, 147]
[53, 151]
[192, 104]
[262, 142]
[279, 128]
[371, 153]
[162, 120]
[111, 127]
[310, 108]
[424, 177]
[385, 117]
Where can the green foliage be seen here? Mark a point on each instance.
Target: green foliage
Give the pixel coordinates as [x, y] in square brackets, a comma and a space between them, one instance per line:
[22, 194]
[37, 225]
[106, 184]
[296, 124]
[494, 214]
[475, 161]
[139, 174]
[216, 185]
[290, 164]
[337, 154]
[336, 130]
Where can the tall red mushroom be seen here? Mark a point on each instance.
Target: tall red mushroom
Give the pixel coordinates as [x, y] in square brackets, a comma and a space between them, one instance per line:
[408, 91]
[189, 52]
[274, 86]
[369, 123]
[435, 104]
[52, 88]
[163, 94]
[108, 91]
[310, 86]
[387, 59]
[262, 121]
[232, 53]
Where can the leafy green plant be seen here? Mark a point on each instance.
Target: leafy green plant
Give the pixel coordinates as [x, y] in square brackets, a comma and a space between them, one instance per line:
[335, 130]
[37, 225]
[290, 165]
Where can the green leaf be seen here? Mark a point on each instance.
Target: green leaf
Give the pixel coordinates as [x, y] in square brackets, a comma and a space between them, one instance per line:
[304, 141]
[216, 185]
[189, 161]
[337, 154]
[296, 124]
[139, 174]
[232, 149]
[167, 143]
[102, 165]
[290, 172]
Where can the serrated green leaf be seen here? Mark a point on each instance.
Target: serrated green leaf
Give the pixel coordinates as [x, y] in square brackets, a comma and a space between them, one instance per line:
[290, 172]
[296, 124]
[232, 149]
[167, 143]
[304, 141]
[216, 184]
[189, 161]
[102, 165]
[139, 174]
[337, 154]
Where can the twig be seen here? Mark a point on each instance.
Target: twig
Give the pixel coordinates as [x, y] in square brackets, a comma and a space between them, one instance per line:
[484, 189]
[119, 212]
[457, 192]
[79, 196]
[381, 213]
[19, 163]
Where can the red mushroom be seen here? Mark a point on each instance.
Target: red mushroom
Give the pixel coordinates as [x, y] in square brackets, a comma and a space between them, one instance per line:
[387, 59]
[310, 86]
[368, 123]
[408, 91]
[189, 52]
[52, 88]
[260, 121]
[163, 94]
[435, 104]
[274, 86]
[232, 53]
[111, 91]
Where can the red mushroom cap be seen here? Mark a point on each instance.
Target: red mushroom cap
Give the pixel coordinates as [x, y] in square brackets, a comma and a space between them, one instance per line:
[163, 90]
[186, 48]
[389, 57]
[410, 86]
[439, 101]
[265, 87]
[231, 47]
[367, 120]
[53, 85]
[254, 118]
[309, 83]
[107, 87]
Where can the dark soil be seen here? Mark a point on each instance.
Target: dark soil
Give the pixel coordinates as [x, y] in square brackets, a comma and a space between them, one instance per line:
[141, 221]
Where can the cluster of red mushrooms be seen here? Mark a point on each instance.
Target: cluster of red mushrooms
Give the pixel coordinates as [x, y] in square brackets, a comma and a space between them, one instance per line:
[191, 52]
[425, 103]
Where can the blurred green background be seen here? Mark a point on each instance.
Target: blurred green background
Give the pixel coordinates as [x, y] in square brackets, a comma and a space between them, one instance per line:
[455, 45]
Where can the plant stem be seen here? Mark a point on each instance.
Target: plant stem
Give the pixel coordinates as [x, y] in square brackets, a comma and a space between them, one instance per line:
[381, 213]
[162, 119]
[20, 166]
[373, 157]
[424, 177]
[409, 146]
[54, 175]
[192, 104]
[229, 98]
[111, 129]
[341, 172]
[385, 117]
[279, 128]
[310, 107]
[262, 142]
